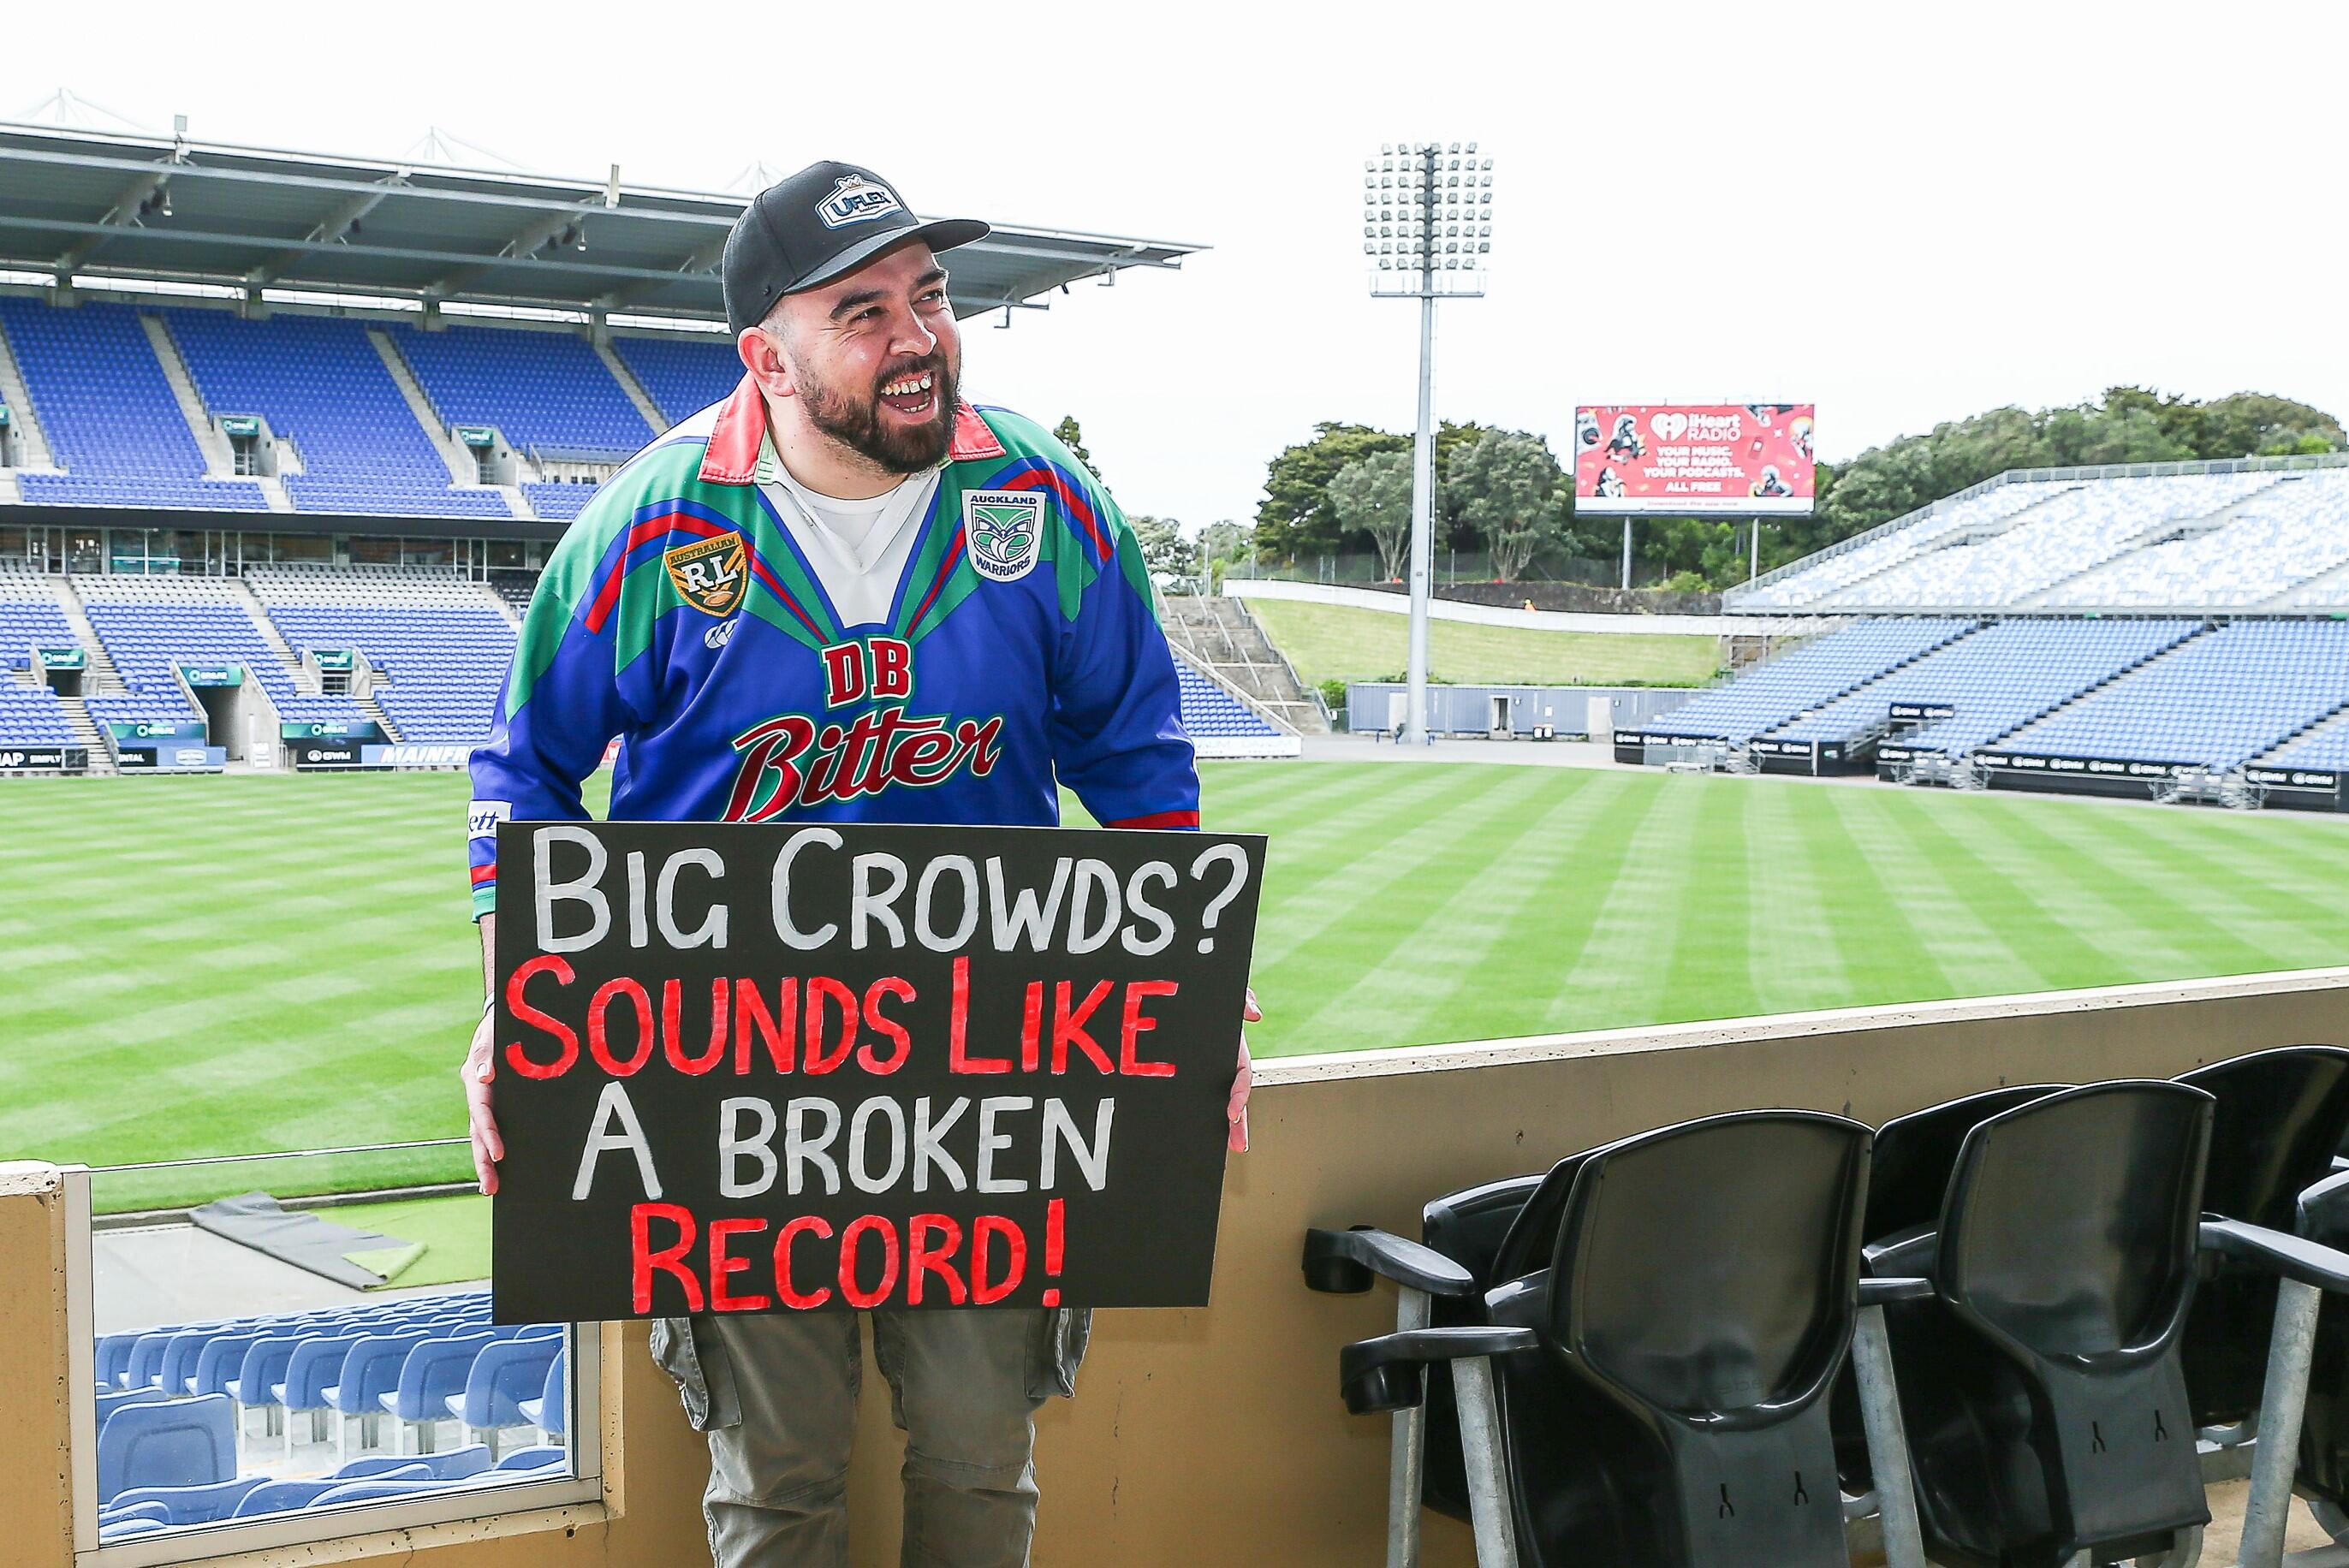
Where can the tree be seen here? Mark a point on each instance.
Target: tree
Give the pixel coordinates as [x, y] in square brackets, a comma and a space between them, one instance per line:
[1295, 516]
[1506, 483]
[1223, 541]
[1070, 436]
[1372, 495]
[1163, 548]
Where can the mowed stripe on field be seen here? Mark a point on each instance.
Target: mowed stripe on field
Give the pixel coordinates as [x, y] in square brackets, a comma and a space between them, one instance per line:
[216, 966]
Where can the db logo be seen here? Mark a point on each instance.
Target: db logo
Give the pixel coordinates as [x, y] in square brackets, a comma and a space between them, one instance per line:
[1669, 427]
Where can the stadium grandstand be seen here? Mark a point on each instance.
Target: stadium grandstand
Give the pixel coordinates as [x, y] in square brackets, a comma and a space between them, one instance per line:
[2172, 631]
[284, 439]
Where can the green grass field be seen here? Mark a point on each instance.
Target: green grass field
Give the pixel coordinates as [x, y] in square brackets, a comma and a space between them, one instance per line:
[236, 965]
[1326, 641]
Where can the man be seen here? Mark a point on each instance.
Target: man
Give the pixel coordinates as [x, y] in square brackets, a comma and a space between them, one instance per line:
[846, 595]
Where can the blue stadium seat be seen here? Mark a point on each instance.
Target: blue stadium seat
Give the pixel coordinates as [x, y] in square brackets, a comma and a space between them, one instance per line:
[183, 1443]
[547, 1412]
[194, 1504]
[504, 1375]
[282, 1496]
[1816, 672]
[547, 391]
[535, 1458]
[454, 1465]
[433, 1370]
[109, 415]
[682, 376]
[113, 1355]
[222, 1359]
[264, 1372]
[109, 1403]
[316, 1367]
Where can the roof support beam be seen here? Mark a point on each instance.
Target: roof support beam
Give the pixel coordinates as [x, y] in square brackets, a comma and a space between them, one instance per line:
[524, 246]
[127, 208]
[334, 229]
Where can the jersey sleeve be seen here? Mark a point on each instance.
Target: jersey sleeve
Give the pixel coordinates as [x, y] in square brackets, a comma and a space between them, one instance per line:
[563, 703]
[1117, 713]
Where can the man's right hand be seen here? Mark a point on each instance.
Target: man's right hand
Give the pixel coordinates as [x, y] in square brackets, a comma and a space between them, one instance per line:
[479, 1067]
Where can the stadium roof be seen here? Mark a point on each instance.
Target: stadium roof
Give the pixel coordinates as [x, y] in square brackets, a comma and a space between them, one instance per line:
[89, 203]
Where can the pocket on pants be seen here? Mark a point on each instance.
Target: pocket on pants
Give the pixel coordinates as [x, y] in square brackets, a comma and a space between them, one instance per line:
[1057, 1350]
[704, 1378]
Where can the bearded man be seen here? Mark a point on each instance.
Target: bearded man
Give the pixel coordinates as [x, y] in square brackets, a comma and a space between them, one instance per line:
[846, 595]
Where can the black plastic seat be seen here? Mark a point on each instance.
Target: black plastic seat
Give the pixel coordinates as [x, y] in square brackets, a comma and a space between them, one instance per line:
[2042, 1387]
[2280, 1115]
[1909, 1175]
[1662, 1380]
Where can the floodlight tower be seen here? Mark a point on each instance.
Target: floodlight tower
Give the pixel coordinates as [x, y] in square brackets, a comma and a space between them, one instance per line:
[1427, 227]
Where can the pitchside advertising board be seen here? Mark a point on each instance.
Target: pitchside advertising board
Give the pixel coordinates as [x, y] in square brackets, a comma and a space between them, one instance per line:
[1684, 458]
[761, 1068]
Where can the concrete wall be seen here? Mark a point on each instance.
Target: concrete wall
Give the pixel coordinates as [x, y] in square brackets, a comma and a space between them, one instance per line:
[1529, 620]
[1217, 1437]
[1467, 709]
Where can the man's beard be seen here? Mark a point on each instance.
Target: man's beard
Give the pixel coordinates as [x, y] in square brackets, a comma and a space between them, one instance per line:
[856, 422]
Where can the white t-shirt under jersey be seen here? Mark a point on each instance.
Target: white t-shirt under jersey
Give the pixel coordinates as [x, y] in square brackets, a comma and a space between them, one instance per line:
[858, 548]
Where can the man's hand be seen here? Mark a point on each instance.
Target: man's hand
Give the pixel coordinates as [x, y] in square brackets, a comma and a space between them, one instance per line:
[1236, 1111]
[479, 1067]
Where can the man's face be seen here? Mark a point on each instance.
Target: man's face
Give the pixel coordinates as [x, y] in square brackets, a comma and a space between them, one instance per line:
[874, 358]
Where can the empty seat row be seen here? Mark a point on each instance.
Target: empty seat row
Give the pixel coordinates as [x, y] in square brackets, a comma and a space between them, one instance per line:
[2001, 1323]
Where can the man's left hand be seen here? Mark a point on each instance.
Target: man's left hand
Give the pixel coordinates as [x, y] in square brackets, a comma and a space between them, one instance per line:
[1237, 1110]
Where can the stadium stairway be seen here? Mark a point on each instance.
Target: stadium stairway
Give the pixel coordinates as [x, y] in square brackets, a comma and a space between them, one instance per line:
[632, 386]
[462, 469]
[1219, 636]
[306, 680]
[220, 458]
[32, 446]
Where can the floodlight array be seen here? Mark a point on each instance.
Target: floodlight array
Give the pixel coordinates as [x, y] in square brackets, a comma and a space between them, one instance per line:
[1427, 207]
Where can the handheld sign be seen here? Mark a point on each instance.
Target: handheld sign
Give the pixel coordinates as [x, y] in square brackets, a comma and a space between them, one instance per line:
[769, 1068]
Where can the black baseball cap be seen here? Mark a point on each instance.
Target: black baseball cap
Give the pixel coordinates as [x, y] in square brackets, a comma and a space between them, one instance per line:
[820, 224]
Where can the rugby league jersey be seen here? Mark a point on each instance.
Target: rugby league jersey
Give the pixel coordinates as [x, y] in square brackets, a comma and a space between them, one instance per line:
[679, 616]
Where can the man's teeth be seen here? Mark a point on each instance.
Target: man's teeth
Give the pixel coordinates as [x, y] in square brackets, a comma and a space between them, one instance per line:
[908, 387]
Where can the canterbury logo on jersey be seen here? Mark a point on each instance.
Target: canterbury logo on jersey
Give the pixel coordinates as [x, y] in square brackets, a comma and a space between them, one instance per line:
[793, 761]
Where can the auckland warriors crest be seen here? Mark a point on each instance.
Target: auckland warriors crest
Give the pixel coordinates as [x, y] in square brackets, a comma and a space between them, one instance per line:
[1005, 529]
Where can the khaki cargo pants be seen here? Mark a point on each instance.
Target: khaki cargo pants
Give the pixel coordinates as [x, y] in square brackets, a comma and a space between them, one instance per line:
[777, 1398]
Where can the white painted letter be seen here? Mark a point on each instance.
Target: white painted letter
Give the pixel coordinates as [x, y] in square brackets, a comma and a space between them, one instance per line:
[989, 1141]
[581, 889]
[799, 1150]
[711, 933]
[791, 935]
[732, 1147]
[612, 1107]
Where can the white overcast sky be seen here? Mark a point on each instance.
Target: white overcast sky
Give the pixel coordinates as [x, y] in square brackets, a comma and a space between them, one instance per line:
[1904, 212]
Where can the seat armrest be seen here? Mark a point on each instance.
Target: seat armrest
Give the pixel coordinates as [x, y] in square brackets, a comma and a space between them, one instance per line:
[1911, 1254]
[1390, 1373]
[1879, 1292]
[1343, 1263]
[2324, 1209]
[2289, 1257]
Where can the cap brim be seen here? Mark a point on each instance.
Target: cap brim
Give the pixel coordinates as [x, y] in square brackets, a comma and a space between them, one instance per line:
[938, 234]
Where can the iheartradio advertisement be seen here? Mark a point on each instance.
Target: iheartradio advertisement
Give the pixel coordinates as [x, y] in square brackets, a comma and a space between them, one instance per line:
[1682, 457]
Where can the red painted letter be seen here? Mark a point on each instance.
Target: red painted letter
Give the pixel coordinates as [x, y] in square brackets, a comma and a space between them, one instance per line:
[921, 1258]
[722, 1267]
[643, 1260]
[850, 1291]
[751, 1016]
[554, 964]
[1015, 1266]
[1069, 1027]
[958, 1026]
[888, 1028]
[696, 1066]
[599, 1044]
[821, 1229]
[821, 989]
[1135, 1026]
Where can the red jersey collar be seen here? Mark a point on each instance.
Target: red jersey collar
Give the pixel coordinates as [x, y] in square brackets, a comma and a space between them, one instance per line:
[732, 455]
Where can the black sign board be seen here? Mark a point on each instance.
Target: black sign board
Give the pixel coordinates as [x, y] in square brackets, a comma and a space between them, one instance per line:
[808, 1067]
[340, 752]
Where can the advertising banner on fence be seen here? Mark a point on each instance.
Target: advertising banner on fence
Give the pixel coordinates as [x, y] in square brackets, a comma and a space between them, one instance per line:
[1680, 459]
[798, 1068]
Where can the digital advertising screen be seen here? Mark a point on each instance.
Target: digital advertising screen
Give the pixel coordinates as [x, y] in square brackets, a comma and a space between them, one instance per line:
[1685, 458]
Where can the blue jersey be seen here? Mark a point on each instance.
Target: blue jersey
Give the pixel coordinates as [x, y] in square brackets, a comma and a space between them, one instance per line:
[678, 616]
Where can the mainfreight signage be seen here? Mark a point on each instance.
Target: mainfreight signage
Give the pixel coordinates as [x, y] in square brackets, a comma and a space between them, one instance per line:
[1680, 458]
[408, 754]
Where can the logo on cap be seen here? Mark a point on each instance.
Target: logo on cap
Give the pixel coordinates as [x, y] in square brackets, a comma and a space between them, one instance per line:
[854, 199]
